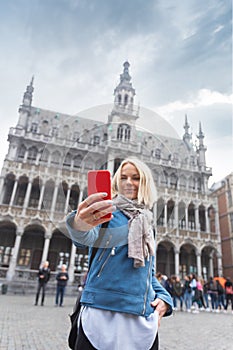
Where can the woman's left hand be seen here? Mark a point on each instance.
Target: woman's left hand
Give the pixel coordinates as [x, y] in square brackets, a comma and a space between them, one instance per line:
[160, 306]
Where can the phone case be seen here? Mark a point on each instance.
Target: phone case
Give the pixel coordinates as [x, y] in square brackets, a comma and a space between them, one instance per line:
[100, 181]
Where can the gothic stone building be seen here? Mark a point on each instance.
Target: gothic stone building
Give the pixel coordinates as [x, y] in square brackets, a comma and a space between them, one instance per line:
[44, 176]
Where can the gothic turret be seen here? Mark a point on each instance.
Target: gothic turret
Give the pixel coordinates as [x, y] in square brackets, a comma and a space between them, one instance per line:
[24, 109]
[187, 137]
[124, 92]
[201, 147]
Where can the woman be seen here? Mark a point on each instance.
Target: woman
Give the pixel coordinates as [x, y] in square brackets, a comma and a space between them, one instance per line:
[121, 292]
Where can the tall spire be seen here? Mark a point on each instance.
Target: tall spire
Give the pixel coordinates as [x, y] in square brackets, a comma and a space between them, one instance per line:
[124, 92]
[24, 109]
[27, 97]
[201, 147]
[187, 136]
[200, 136]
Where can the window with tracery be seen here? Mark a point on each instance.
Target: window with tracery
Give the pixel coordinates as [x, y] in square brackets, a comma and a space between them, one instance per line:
[158, 153]
[123, 132]
[77, 161]
[21, 152]
[56, 156]
[34, 128]
[54, 132]
[32, 153]
[96, 140]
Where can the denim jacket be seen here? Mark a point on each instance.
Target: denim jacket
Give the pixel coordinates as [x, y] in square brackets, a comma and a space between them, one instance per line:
[112, 282]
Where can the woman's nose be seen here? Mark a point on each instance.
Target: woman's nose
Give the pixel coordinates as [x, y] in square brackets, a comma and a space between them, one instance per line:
[129, 180]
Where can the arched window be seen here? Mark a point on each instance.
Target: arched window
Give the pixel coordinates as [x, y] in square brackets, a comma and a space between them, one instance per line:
[191, 216]
[61, 197]
[66, 131]
[44, 156]
[158, 153]
[96, 140]
[123, 132]
[45, 127]
[67, 160]
[56, 156]
[8, 188]
[32, 153]
[173, 180]
[34, 128]
[78, 161]
[54, 132]
[74, 196]
[48, 195]
[21, 152]
[21, 191]
[160, 212]
[35, 194]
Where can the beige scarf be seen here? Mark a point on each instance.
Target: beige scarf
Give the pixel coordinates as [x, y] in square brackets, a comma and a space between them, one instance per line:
[141, 243]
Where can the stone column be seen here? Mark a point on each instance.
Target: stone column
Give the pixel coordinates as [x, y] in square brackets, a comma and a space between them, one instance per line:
[41, 197]
[219, 261]
[207, 220]
[67, 200]
[25, 156]
[176, 217]
[27, 196]
[211, 267]
[55, 192]
[186, 217]
[197, 224]
[46, 247]
[12, 266]
[165, 214]
[13, 193]
[2, 179]
[199, 269]
[177, 262]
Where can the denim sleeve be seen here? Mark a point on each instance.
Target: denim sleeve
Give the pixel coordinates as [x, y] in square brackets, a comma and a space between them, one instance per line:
[81, 238]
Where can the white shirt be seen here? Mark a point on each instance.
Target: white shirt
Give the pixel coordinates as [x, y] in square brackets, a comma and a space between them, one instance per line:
[116, 330]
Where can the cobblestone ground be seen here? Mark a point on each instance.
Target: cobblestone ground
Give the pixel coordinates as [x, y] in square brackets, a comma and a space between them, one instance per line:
[24, 326]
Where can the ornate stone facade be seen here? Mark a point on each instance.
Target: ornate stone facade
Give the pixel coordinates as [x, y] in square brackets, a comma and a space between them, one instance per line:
[44, 177]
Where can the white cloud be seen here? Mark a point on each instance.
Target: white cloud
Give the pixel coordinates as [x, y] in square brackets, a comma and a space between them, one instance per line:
[204, 97]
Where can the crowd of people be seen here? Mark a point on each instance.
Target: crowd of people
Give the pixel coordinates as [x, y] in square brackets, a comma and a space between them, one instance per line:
[193, 294]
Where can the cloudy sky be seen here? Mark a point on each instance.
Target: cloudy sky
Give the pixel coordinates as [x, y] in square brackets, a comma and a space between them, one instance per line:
[180, 55]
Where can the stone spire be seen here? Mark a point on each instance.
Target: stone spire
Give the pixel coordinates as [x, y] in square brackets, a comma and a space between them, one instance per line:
[27, 97]
[124, 92]
[24, 109]
[187, 136]
[201, 147]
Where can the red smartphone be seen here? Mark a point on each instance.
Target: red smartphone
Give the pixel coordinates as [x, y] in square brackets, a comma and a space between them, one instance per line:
[99, 181]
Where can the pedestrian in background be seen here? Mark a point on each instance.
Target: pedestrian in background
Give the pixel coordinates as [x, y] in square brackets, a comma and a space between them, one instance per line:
[43, 278]
[229, 293]
[187, 293]
[62, 278]
[178, 290]
[221, 296]
[213, 292]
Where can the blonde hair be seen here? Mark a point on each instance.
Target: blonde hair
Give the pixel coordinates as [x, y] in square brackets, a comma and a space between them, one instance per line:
[147, 193]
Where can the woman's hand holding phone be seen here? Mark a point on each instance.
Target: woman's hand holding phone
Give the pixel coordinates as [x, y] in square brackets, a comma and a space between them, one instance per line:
[97, 208]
